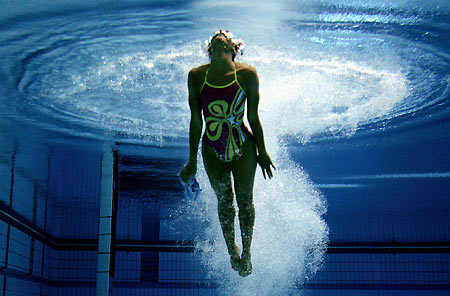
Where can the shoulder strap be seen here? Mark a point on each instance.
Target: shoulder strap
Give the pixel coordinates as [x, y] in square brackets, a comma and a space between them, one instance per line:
[206, 75]
[204, 81]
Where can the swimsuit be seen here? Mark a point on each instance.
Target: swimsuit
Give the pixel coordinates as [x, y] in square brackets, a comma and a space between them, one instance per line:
[223, 109]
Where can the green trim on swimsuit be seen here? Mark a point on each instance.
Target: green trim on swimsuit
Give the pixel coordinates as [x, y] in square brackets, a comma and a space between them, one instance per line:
[224, 114]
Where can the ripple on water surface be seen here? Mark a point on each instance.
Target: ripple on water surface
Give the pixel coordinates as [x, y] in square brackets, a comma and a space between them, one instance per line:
[124, 74]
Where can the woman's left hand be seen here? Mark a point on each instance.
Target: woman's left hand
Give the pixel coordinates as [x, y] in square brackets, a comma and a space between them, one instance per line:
[188, 171]
[265, 162]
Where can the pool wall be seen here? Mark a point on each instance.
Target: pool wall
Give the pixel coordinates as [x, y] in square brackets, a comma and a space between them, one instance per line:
[49, 230]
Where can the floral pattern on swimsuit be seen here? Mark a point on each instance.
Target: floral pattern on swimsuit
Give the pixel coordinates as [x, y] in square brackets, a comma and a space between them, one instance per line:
[223, 109]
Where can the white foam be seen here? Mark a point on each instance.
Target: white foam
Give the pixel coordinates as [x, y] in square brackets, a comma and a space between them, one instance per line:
[309, 96]
[289, 240]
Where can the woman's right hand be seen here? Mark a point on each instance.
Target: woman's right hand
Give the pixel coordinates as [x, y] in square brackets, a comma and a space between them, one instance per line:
[188, 171]
[265, 163]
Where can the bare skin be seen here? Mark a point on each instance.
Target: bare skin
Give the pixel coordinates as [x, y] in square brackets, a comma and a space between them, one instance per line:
[242, 169]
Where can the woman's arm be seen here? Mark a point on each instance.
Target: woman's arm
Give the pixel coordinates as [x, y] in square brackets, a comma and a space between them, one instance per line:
[195, 128]
[252, 83]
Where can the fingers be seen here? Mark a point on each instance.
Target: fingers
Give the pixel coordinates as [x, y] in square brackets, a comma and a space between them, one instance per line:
[269, 173]
[265, 166]
[273, 165]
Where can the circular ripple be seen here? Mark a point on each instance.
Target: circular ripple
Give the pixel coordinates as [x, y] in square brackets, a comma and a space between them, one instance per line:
[123, 75]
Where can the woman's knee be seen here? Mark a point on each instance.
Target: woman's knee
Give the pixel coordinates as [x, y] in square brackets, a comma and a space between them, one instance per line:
[224, 194]
[245, 202]
[225, 206]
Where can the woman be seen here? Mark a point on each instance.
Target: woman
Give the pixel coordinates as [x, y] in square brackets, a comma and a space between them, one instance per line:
[220, 90]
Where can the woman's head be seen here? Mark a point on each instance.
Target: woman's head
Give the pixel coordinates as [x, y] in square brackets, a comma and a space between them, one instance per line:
[236, 45]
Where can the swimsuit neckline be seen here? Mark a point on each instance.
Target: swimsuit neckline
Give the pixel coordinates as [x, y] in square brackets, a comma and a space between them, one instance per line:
[221, 86]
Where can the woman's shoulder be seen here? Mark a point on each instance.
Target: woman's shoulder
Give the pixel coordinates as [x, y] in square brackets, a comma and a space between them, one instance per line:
[199, 70]
[197, 74]
[246, 72]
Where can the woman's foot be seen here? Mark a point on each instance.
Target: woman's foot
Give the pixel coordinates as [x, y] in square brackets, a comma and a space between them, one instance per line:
[246, 265]
[235, 259]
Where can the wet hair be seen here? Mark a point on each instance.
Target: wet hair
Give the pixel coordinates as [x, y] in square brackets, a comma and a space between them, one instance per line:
[238, 44]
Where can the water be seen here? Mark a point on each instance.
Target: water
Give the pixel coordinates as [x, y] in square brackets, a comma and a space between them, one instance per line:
[329, 70]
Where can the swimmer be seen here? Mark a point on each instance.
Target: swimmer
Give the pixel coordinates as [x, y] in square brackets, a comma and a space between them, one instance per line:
[220, 91]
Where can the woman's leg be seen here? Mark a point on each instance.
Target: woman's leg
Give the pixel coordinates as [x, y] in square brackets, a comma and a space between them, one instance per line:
[219, 174]
[244, 170]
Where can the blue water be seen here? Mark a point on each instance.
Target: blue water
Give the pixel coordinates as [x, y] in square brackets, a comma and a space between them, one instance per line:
[354, 105]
